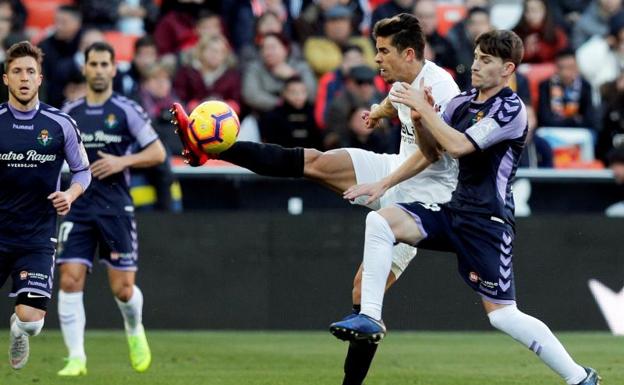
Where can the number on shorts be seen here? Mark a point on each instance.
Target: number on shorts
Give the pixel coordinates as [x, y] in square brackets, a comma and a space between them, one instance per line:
[431, 206]
[64, 229]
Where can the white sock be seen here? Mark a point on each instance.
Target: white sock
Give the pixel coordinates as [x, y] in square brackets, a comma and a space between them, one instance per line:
[73, 320]
[535, 335]
[132, 311]
[31, 329]
[377, 263]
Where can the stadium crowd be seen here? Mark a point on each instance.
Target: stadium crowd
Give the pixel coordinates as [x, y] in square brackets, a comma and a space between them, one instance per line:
[300, 72]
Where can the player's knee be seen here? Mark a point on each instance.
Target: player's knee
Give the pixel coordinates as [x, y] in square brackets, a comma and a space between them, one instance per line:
[71, 283]
[378, 226]
[501, 317]
[123, 292]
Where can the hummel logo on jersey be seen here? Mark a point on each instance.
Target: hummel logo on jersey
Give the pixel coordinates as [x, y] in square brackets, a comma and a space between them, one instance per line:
[31, 295]
[23, 126]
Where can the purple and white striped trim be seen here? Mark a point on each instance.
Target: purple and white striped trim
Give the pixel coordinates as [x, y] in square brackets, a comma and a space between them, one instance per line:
[498, 301]
[31, 290]
[120, 268]
[417, 219]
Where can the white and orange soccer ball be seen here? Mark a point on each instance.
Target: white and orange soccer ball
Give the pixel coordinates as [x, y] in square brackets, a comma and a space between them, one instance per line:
[213, 126]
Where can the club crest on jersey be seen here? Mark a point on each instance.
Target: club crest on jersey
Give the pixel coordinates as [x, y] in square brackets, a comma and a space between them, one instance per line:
[474, 277]
[23, 275]
[111, 121]
[478, 117]
[44, 137]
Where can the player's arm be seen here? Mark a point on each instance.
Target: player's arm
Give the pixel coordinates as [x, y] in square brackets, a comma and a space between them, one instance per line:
[109, 164]
[457, 144]
[78, 162]
[427, 143]
[412, 166]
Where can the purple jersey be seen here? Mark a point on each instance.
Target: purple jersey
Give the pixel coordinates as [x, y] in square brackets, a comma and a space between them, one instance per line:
[112, 127]
[32, 150]
[497, 128]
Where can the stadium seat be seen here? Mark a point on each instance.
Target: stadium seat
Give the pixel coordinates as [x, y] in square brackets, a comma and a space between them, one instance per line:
[123, 44]
[449, 14]
[41, 12]
[535, 74]
[572, 147]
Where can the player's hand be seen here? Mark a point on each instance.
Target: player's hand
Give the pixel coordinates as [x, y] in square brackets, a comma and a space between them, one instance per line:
[370, 119]
[374, 191]
[414, 98]
[429, 96]
[107, 165]
[61, 201]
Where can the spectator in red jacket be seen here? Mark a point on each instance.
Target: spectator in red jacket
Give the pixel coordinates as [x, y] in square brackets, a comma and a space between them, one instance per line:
[542, 38]
[211, 74]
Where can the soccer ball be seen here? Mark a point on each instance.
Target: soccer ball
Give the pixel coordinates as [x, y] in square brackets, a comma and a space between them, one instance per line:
[213, 126]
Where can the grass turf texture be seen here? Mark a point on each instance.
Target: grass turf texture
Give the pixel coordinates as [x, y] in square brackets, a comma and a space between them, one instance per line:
[292, 358]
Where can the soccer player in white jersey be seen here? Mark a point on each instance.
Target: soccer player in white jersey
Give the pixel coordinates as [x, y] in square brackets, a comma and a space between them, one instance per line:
[400, 55]
[36, 140]
[485, 128]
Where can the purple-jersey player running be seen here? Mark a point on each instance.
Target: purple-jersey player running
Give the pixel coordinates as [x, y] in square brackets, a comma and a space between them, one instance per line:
[485, 128]
[36, 140]
[104, 218]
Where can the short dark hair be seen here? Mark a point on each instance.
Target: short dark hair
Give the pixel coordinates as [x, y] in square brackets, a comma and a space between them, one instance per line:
[615, 155]
[502, 43]
[23, 49]
[405, 31]
[100, 46]
[476, 10]
[352, 47]
[566, 52]
[144, 41]
[74, 10]
[293, 79]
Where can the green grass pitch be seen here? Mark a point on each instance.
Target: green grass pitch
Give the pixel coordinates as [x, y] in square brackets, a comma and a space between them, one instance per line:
[315, 358]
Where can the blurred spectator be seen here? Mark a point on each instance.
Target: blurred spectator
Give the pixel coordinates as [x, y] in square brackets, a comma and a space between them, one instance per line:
[323, 53]
[542, 38]
[332, 83]
[462, 37]
[311, 21]
[291, 124]
[75, 88]
[156, 96]
[7, 37]
[594, 21]
[566, 13]
[615, 161]
[241, 16]
[269, 22]
[391, 8]
[602, 58]
[443, 52]
[59, 50]
[263, 81]
[359, 136]
[565, 99]
[127, 16]
[18, 18]
[612, 132]
[145, 56]
[359, 91]
[176, 28]
[211, 74]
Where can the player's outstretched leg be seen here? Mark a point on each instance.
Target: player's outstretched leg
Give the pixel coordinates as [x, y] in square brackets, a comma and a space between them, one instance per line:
[72, 319]
[192, 154]
[132, 310]
[535, 335]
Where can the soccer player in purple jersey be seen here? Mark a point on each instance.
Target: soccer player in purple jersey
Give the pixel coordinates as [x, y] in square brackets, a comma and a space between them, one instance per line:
[36, 140]
[485, 128]
[104, 217]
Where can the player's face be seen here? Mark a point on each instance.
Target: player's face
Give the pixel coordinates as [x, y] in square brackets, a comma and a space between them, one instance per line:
[489, 71]
[391, 62]
[99, 71]
[23, 79]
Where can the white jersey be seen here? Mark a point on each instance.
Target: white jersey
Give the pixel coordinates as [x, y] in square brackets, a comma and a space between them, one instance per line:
[436, 183]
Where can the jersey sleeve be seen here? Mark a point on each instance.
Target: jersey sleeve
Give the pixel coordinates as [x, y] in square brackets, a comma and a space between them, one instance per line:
[507, 120]
[76, 155]
[139, 124]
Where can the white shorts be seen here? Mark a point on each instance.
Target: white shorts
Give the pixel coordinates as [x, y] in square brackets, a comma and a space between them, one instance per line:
[370, 167]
